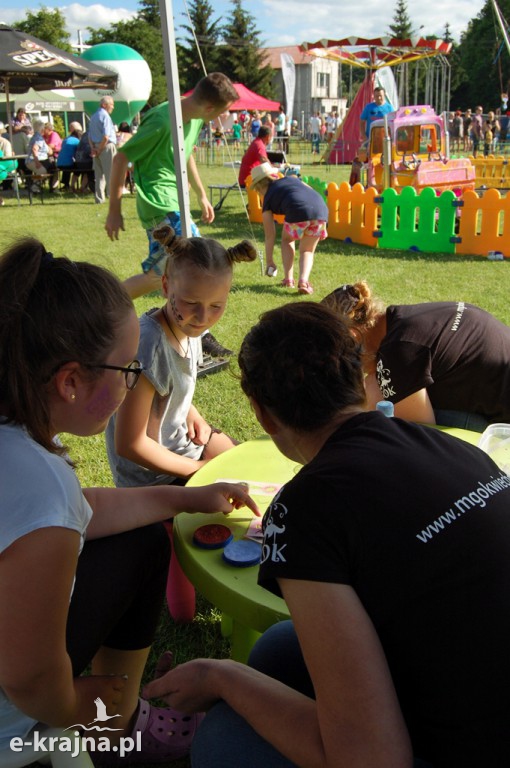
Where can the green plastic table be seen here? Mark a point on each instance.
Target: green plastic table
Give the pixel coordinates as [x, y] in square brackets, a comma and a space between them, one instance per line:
[247, 609]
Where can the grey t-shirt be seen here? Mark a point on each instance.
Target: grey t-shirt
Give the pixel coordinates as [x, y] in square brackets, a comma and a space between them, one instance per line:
[173, 378]
[39, 490]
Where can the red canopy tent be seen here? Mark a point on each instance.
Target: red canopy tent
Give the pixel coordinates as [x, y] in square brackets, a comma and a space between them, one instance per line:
[251, 100]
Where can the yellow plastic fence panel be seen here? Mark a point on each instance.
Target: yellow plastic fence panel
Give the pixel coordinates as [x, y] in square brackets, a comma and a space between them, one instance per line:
[491, 171]
[353, 213]
[484, 223]
[255, 206]
[498, 165]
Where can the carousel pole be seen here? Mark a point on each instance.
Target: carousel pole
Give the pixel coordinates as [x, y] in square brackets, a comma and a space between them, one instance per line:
[501, 24]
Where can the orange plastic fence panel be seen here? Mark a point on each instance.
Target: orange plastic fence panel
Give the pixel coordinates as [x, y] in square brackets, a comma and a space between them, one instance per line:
[484, 223]
[255, 206]
[353, 213]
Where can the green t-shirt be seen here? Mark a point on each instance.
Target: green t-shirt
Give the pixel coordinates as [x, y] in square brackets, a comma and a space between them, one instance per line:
[151, 152]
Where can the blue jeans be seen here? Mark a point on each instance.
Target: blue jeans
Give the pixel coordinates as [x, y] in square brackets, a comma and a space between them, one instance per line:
[225, 740]
[157, 254]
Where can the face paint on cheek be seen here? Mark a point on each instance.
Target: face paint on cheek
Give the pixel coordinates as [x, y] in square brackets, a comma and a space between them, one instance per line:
[103, 405]
[175, 312]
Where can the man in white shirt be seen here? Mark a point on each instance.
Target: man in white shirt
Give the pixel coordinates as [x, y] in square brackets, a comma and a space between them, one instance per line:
[315, 132]
[103, 146]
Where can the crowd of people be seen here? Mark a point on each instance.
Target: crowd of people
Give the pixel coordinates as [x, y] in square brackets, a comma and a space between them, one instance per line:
[390, 545]
[478, 131]
[69, 161]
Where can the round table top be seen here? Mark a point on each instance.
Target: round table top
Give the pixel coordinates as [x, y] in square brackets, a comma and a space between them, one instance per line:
[234, 590]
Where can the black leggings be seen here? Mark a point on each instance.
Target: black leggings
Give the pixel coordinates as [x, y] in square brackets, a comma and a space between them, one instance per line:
[118, 594]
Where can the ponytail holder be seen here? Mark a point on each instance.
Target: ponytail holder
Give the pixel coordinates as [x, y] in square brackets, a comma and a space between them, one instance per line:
[352, 301]
[172, 241]
[344, 300]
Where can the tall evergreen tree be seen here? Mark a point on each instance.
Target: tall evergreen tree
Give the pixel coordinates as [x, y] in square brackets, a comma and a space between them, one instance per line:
[401, 27]
[207, 33]
[149, 12]
[447, 35]
[240, 56]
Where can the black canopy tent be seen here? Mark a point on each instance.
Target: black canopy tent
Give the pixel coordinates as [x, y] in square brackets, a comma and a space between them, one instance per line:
[26, 62]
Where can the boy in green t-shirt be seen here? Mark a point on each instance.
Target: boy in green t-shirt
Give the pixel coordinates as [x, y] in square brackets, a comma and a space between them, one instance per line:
[151, 152]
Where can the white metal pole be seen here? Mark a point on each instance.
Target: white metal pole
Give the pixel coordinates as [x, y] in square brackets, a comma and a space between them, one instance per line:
[175, 112]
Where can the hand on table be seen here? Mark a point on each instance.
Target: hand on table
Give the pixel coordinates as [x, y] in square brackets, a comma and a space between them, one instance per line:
[220, 497]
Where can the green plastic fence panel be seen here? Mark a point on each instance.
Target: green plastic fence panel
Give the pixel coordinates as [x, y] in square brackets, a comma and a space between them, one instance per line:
[420, 222]
[317, 184]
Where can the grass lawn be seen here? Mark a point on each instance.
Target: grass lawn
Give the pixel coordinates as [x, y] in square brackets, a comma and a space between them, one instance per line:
[74, 226]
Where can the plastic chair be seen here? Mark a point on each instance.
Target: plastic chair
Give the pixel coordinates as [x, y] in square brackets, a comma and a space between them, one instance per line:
[56, 758]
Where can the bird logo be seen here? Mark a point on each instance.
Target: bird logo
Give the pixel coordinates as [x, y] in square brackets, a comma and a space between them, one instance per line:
[101, 717]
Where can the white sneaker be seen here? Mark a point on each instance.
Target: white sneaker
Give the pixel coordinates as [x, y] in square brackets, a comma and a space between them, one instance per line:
[271, 272]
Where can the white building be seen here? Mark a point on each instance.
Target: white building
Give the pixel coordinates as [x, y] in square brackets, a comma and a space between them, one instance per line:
[317, 83]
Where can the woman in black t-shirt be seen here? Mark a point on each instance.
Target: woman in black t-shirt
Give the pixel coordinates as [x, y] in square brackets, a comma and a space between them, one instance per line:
[439, 362]
[391, 548]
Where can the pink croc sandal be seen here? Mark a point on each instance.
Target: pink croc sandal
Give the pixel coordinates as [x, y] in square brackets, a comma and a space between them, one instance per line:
[166, 735]
[305, 288]
[287, 283]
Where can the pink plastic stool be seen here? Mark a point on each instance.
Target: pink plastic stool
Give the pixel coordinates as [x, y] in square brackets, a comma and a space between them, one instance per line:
[180, 592]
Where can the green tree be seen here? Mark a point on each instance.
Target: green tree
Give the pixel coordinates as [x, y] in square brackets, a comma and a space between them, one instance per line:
[401, 27]
[207, 33]
[48, 24]
[239, 55]
[457, 74]
[149, 12]
[447, 35]
[484, 59]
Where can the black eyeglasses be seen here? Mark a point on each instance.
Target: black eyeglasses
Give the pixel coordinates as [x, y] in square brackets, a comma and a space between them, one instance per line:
[131, 372]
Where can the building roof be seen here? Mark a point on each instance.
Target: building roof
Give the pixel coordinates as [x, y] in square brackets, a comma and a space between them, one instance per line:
[273, 55]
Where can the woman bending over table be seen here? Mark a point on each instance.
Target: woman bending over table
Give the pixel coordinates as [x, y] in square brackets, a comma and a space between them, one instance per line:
[439, 362]
[391, 547]
[68, 336]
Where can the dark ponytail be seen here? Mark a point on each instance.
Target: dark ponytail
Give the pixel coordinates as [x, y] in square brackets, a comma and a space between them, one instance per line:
[52, 311]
